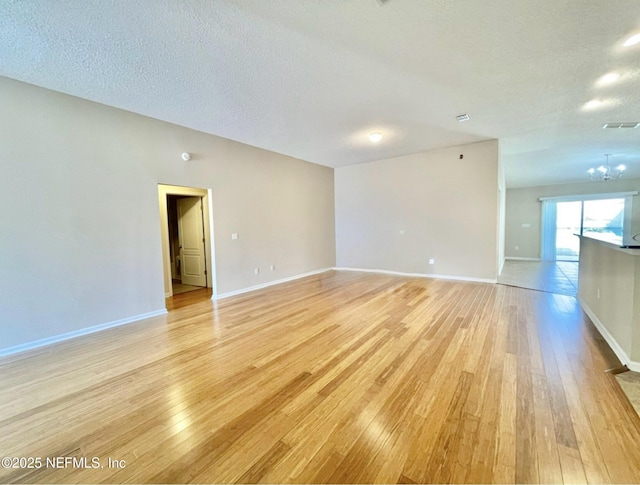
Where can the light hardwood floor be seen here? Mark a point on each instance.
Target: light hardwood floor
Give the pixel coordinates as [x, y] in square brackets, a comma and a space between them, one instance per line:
[340, 378]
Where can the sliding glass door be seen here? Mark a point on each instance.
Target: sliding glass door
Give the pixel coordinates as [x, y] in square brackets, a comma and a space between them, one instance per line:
[604, 219]
[568, 224]
[563, 218]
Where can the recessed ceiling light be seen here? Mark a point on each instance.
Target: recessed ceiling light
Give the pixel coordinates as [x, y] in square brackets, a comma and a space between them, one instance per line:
[593, 104]
[375, 137]
[633, 40]
[609, 78]
[463, 117]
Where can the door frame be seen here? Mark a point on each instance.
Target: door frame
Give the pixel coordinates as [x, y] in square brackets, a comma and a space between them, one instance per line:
[207, 214]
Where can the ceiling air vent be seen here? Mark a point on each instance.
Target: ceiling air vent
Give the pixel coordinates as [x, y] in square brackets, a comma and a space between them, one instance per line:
[621, 125]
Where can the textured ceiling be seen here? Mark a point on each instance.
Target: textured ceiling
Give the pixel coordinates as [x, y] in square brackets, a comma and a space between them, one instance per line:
[312, 78]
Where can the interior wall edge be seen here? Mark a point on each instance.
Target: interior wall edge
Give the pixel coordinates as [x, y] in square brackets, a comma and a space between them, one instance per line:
[420, 275]
[613, 343]
[269, 283]
[36, 344]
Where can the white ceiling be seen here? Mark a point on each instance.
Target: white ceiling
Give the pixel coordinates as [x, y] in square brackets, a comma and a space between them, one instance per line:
[312, 78]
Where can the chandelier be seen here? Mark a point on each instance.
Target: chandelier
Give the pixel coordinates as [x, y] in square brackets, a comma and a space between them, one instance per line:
[606, 172]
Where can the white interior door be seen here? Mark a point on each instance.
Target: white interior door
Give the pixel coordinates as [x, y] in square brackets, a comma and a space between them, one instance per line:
[191, 239]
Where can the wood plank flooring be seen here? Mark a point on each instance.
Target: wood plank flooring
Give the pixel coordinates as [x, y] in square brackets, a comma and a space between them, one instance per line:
[341, 377]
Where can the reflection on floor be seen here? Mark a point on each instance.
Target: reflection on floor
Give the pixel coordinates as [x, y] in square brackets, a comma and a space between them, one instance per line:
[180, 288]
[555, 277]
[630, 384]
[188, 298]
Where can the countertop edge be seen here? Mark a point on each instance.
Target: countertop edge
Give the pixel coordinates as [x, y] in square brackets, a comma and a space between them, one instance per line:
[630, 251]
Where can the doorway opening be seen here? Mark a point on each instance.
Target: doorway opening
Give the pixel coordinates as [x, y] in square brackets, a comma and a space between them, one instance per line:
[601, 216]
[187, 241]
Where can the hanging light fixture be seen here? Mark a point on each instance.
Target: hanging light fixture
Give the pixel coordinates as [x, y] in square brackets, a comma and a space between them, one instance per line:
[606, 172]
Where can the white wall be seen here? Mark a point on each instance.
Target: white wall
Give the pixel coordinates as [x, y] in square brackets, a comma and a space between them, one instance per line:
[396, 214]
[80, 243]
[524, 207]
[609, 292]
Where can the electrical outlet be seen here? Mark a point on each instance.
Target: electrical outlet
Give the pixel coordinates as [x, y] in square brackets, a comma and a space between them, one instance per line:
[517, 248]
[256, 271]
[432, 261]
[272, 267]
[234, 235]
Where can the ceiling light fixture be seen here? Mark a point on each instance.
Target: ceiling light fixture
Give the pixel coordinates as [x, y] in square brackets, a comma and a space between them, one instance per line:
[633, 40]
[375, 137]
[609, 78]
[593, 104]
[606, 172]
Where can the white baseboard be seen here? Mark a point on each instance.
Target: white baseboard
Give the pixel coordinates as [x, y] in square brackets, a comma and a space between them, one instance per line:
[620, 353]
[78, 333]
[270, 283]
[515, 258]
[419, 275]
